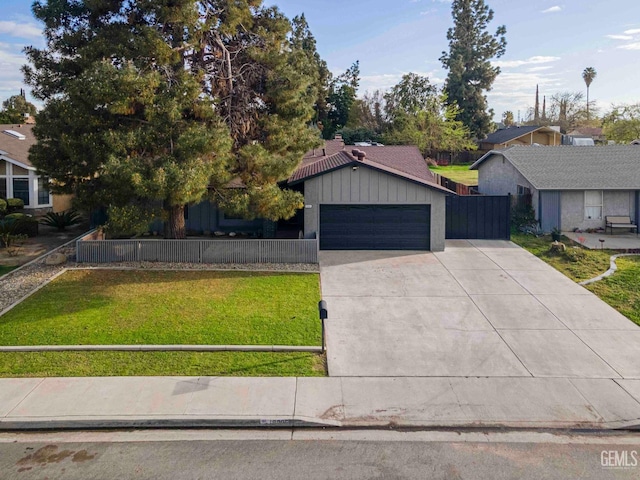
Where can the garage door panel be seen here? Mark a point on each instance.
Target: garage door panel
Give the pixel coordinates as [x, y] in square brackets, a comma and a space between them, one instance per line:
[375, 227]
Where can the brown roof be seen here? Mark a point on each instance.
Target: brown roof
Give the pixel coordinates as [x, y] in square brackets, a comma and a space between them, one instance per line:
[403, 161]
[588, 131]
[17, 149]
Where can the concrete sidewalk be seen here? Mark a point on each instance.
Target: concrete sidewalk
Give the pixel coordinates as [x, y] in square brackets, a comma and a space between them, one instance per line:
[127, 402]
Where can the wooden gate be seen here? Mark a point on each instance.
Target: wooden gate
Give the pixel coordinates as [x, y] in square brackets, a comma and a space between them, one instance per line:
[478, 217]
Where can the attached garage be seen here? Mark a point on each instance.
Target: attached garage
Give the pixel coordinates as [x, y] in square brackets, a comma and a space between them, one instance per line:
[375, 227]
[377, 201]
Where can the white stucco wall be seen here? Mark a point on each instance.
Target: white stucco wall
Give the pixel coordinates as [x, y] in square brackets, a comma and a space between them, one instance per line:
[497, 176]
[615, 202]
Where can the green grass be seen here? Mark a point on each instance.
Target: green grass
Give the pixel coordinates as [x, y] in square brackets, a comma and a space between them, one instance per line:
[105, 364]
[621, 290]
[4, 269]
[583, 266]
[458, 173]
[109, 307]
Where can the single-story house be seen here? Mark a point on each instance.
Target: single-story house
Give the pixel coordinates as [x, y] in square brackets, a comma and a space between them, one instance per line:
[527, 135]
[570, 187]
[18, 177]
[371, 198]
[356, 198]
[595, 133]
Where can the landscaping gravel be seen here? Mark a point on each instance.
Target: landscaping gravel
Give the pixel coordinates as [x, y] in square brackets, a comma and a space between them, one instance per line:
[277, 267]
[21, 282]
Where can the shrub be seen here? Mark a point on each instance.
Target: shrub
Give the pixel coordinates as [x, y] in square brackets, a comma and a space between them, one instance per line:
[14, 204]
[24, 224]
[61, 220]
[523, 216]
[3, 207]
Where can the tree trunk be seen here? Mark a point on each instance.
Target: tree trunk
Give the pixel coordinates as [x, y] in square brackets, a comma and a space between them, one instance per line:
[175, 227]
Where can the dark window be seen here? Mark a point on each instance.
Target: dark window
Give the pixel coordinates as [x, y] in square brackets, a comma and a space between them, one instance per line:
[43, 191]
[3, 188]
[21, 189]
[523, 190]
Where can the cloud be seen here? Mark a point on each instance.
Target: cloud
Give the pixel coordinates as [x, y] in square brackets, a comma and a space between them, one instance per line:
[630, 46]
[529, 61]
[539, 69]
[554, 9]
[631, 35]
[20, 29]
[620, 37]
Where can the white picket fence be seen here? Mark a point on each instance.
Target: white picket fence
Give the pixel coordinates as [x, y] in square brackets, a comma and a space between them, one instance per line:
[197, 251]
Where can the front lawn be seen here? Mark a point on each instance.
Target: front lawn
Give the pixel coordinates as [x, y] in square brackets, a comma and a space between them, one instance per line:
[458, 173]
[621, 290]
[107, 307]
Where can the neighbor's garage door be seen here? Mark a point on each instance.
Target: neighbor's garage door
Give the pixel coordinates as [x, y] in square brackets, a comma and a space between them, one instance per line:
[375, 227]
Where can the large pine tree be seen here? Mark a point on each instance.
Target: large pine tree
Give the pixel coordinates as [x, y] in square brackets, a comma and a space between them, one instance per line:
[164, 102]
[471, 48]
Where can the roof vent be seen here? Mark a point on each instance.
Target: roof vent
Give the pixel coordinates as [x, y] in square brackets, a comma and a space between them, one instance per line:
[14, 134]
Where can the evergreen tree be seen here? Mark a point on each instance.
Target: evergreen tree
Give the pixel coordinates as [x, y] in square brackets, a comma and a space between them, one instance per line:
[471, 48]
[163, 102]
[341, 99]
[536, 114]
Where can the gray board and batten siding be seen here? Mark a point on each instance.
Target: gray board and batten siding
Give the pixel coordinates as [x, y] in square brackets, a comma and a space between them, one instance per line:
[366, 186]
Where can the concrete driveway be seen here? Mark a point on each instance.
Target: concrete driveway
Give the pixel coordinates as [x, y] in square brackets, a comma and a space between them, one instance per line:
[481, 309]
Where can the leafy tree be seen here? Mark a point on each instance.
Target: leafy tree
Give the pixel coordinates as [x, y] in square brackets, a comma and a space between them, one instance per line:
[507, 118]
[411, 95]
[162, 103]
[471, 48]
[622, 123]
[419, 114]
[368, 113]
[588, 75]
[15, 107]
[342, 96]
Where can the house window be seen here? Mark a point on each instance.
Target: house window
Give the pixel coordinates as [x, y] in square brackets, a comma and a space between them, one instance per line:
[21, 189]
[593, 204]
[523, 190]
[43, 191]
[3, 188]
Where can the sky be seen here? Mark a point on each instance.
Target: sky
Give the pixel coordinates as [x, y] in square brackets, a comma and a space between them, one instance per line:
[549, 43]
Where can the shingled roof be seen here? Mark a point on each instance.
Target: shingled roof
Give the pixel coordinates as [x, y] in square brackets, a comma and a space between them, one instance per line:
[610, 167]
[402, 161]
[16, 149]
[507, 134]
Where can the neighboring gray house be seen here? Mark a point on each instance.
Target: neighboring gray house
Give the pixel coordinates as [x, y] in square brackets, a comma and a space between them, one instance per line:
[571, 187]
[371, 198]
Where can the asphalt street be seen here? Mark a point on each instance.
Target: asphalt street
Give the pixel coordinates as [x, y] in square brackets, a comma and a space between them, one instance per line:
[317, 455]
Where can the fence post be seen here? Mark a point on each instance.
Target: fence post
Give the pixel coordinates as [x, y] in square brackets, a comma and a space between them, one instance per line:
[508, 227]
[200, 250]
[138, 249]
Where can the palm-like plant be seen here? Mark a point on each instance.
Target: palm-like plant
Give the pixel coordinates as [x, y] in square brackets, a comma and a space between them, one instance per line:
[588, 75]
[61, 220]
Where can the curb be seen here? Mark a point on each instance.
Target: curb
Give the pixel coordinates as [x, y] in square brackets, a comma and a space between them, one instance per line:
[162, 423]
